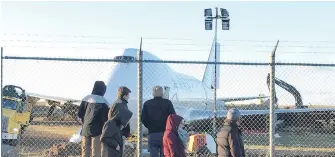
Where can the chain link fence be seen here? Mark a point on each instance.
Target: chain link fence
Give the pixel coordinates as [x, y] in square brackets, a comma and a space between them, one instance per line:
[304, 87]
[53, 128]
[192, 99]
[53, 124]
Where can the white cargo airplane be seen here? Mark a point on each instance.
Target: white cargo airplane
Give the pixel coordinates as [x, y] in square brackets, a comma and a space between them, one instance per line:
[192, 98]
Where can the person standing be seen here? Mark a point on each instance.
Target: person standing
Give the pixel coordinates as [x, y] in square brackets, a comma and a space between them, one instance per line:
[111, 138]
[229, 137]
[93, 113]
[174, 144]
[154, 115]
[121, 104]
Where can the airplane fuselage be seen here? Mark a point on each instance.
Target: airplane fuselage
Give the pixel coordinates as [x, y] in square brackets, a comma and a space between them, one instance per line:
[185, 91]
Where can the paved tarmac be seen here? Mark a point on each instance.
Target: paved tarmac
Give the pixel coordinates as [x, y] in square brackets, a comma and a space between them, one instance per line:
[8, 151]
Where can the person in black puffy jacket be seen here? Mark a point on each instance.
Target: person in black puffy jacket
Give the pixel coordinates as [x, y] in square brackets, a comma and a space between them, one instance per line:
[93, 113]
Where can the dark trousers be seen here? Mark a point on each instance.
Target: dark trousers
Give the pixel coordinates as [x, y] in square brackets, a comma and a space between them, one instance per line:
[155, 141]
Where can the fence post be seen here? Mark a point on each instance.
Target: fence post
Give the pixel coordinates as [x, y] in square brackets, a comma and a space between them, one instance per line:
[139, 101]
[272, 101]
[1, 81]
[1, 75]
[215, 93]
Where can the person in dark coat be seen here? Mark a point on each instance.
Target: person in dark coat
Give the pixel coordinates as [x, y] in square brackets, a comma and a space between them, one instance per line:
[229, 138]
[93, 113]
[172, 144]
[154, 115]
[121, 102]
[111, 138]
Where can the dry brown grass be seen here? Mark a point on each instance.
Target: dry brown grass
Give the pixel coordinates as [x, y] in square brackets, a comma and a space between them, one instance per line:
[38, 138]
[291, 148]
[50, 131]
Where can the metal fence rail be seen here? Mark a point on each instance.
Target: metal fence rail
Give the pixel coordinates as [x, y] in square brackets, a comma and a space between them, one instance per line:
[269, 127]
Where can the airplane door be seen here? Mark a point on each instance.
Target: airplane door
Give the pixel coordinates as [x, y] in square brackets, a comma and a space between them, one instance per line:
[166, 92]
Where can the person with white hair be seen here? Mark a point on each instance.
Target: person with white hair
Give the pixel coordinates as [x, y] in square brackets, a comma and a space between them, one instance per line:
[154, 115]
[229, 138]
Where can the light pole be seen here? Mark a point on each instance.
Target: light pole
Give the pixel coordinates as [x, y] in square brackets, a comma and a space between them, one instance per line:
[209, 26]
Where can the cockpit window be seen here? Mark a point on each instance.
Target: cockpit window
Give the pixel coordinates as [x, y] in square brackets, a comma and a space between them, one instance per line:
[125, 58]
[9, 104]
[12, 92]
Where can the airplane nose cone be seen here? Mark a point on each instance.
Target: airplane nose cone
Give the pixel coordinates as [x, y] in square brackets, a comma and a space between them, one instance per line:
[121, 74]
[124, 74]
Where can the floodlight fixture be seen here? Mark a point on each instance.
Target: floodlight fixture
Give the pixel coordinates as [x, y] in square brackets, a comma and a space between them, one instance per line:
[224, 13]
[208, 12]
[208, 18]
[208, 25]
[225, 24]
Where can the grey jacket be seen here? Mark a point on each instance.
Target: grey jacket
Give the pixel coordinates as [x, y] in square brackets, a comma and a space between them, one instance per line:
[229, 141]
[111, 136]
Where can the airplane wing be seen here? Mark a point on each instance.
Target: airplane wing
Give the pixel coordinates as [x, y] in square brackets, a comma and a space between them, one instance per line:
[53, 98]
[197, 114]
[240, 98]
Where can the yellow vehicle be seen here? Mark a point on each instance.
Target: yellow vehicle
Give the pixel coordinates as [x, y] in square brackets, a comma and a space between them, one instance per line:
[16, 115]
